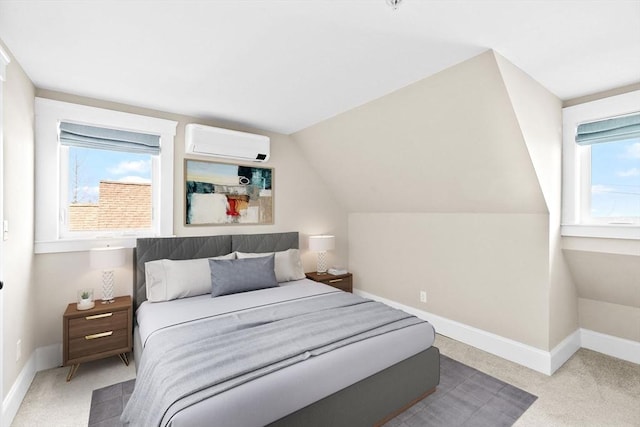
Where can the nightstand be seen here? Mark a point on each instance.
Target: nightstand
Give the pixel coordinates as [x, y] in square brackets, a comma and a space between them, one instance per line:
[340, 281]
[102, 331]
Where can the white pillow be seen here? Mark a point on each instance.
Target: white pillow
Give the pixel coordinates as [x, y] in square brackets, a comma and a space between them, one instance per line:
[171, 279]
[288, 265]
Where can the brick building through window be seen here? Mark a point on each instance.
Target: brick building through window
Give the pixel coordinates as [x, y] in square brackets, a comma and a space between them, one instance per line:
[121, 205]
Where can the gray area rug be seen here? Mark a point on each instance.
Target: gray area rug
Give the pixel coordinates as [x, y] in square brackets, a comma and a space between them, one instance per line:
[465, 397]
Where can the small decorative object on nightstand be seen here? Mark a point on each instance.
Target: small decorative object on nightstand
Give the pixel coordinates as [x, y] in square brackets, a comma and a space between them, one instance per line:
[96, 333]
[85, 299]
[340, 281]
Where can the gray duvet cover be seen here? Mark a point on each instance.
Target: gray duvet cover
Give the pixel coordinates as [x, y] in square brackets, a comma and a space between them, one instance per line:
[187, 363]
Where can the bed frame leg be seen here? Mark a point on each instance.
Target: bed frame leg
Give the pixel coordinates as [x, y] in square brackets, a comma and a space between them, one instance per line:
[404, 408]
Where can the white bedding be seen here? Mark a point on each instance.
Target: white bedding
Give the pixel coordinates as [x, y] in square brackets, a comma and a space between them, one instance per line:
[272, 397]
[154, 316]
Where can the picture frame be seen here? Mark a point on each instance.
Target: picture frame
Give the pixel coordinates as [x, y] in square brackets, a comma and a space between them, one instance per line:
[219, 193]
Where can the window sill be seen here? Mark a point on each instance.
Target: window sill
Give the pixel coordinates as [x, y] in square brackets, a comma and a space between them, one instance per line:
[628, 232]
[79, 245]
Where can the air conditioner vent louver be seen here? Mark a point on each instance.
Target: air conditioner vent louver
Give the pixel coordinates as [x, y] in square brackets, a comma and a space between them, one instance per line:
[225, 143]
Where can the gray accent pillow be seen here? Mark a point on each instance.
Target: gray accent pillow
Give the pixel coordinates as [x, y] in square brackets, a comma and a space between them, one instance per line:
[230, 276]
[288, 265]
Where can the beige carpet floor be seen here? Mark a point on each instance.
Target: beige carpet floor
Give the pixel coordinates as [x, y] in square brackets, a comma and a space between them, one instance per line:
[591, 389]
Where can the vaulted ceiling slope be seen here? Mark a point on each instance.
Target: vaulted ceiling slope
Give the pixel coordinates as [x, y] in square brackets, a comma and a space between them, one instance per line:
[539, 116]
[450, 143]
[285, 65]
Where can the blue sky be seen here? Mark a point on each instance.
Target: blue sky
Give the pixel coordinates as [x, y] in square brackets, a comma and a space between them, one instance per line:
[615, 179]
[97, 165]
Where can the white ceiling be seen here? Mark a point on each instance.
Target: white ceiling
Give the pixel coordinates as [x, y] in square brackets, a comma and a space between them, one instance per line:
[285, 65]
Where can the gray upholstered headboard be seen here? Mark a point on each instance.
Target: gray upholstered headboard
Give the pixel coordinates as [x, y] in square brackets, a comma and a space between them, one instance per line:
[151, 249]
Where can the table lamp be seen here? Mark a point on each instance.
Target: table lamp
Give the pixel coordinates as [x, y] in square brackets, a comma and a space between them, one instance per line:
[322, 244]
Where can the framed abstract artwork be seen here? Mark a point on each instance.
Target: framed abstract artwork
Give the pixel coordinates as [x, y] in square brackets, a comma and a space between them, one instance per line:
[227, 194]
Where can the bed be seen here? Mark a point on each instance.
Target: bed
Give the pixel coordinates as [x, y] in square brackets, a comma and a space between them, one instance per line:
[364, 380]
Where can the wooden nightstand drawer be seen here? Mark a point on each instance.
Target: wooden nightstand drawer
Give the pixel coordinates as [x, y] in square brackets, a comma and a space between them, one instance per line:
[102, 331]
[95, 323]
[343, 281]
[93, 344]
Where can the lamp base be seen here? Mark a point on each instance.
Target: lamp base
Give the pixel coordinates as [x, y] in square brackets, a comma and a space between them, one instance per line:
[107, 287]
[322, 262]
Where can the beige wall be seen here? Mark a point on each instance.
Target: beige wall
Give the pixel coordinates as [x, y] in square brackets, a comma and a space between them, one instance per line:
[539, 115]
[618, 320]
[452, 186]
[302, 203]
[489, 271]
[608, 286]
[19, 309]
[601, 95]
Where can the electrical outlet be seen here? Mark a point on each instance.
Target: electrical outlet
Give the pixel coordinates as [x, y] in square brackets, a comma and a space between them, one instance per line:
[423, 296]
[18, 350]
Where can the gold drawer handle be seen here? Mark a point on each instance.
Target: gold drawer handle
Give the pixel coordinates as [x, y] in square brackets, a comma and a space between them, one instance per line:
[99, 316]
[335, 280]
[100, 335]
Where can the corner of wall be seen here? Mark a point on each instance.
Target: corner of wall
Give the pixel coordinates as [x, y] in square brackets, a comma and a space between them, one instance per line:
[539, 113]
[18, 195]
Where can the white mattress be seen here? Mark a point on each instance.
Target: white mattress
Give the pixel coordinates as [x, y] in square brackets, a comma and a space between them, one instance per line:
[269, 398]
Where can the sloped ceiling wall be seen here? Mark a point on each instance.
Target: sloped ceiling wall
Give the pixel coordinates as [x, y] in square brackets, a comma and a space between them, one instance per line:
[443, 196]
[448, 143]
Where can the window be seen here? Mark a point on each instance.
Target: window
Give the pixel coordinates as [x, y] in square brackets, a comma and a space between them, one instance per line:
[601, 160]
[615, 182]
[112, 181]
[106, 184]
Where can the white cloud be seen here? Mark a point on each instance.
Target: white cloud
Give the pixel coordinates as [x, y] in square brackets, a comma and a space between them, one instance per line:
[629, 173]
[90, 190]
[132, 179]
[599, 189]
[85, 194]
[633, 151]
[136, 166]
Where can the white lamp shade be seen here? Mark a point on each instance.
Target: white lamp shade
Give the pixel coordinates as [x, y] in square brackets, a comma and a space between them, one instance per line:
[106, 258]
[322, 243]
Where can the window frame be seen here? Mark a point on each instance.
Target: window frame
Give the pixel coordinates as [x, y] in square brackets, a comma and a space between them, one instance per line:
[576, 176]
[49, 177]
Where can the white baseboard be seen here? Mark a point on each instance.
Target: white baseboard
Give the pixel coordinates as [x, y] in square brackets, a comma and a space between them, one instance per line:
[48, 357]
[563, 351]
[514, 351]
[12, 401]
[539, 360]
[42, 358]
[613, 346]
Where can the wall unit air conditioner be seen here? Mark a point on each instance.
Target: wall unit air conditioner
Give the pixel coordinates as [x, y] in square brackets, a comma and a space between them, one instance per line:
[225, 143]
